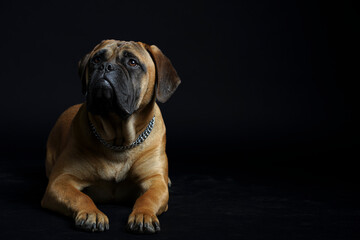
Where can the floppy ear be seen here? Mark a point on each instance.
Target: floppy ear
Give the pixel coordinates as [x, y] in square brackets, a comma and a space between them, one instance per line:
[167, 78]
[82, 71]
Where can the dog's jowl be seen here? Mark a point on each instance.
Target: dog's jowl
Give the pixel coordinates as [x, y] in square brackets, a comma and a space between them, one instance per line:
[112, 146]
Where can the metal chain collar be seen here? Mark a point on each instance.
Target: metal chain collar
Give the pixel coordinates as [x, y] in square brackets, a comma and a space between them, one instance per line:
[137, 142]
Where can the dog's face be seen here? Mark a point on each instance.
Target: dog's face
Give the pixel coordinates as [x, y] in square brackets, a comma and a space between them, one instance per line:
[120, 77]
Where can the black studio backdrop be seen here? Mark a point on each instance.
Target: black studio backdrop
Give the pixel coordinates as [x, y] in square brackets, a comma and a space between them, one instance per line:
[265, 83]
[262, 134]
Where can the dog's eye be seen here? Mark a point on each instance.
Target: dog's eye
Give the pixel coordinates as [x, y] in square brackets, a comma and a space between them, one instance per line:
[132, 63]
[96, 60]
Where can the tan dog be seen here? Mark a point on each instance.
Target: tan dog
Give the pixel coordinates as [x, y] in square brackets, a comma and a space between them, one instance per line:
[113, 146]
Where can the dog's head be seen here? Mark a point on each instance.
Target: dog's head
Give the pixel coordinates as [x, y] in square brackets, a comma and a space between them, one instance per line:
[121, 77]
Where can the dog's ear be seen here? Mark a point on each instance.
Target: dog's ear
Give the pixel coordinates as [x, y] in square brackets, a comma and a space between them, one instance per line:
[167, 78]
[82, 71]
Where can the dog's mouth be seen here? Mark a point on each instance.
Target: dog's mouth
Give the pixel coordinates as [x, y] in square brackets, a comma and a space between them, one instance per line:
[104, 96]
[103, 90]
[100, 98]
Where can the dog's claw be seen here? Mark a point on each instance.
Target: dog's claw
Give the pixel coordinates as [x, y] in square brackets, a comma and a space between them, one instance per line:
[93, 227]
[101, 227]
[129, 226]
[80, 223]
[149, 228]
[157, 226]
[139, 227]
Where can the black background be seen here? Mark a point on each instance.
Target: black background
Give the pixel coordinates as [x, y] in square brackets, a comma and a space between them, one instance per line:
[268, 96]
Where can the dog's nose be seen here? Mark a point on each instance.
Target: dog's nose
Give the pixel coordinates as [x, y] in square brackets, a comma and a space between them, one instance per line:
[107, 66]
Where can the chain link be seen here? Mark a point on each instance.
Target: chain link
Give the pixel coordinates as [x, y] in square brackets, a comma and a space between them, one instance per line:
[137, 142]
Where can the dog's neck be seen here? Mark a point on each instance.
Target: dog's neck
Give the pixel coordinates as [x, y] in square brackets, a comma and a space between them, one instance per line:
[118, 131]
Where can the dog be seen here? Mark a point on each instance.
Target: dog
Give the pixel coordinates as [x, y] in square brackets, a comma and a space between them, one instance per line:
[112, 146]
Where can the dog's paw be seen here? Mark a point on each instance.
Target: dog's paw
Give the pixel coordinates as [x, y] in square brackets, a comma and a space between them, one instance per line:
[92, 221]
[143, 221]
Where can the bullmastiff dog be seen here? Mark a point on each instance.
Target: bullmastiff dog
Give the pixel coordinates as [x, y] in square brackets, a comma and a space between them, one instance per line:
[112, 147]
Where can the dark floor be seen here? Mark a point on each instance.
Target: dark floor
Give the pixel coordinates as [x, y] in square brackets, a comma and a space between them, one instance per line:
[243, 204]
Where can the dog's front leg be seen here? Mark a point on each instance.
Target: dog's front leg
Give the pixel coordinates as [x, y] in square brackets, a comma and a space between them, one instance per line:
[153, 202]
[63, 194]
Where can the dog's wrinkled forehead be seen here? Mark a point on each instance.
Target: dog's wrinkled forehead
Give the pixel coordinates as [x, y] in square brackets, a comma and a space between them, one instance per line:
[114, 47]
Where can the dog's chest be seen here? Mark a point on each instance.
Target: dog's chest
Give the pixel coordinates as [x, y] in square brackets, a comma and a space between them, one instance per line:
[114, 171]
